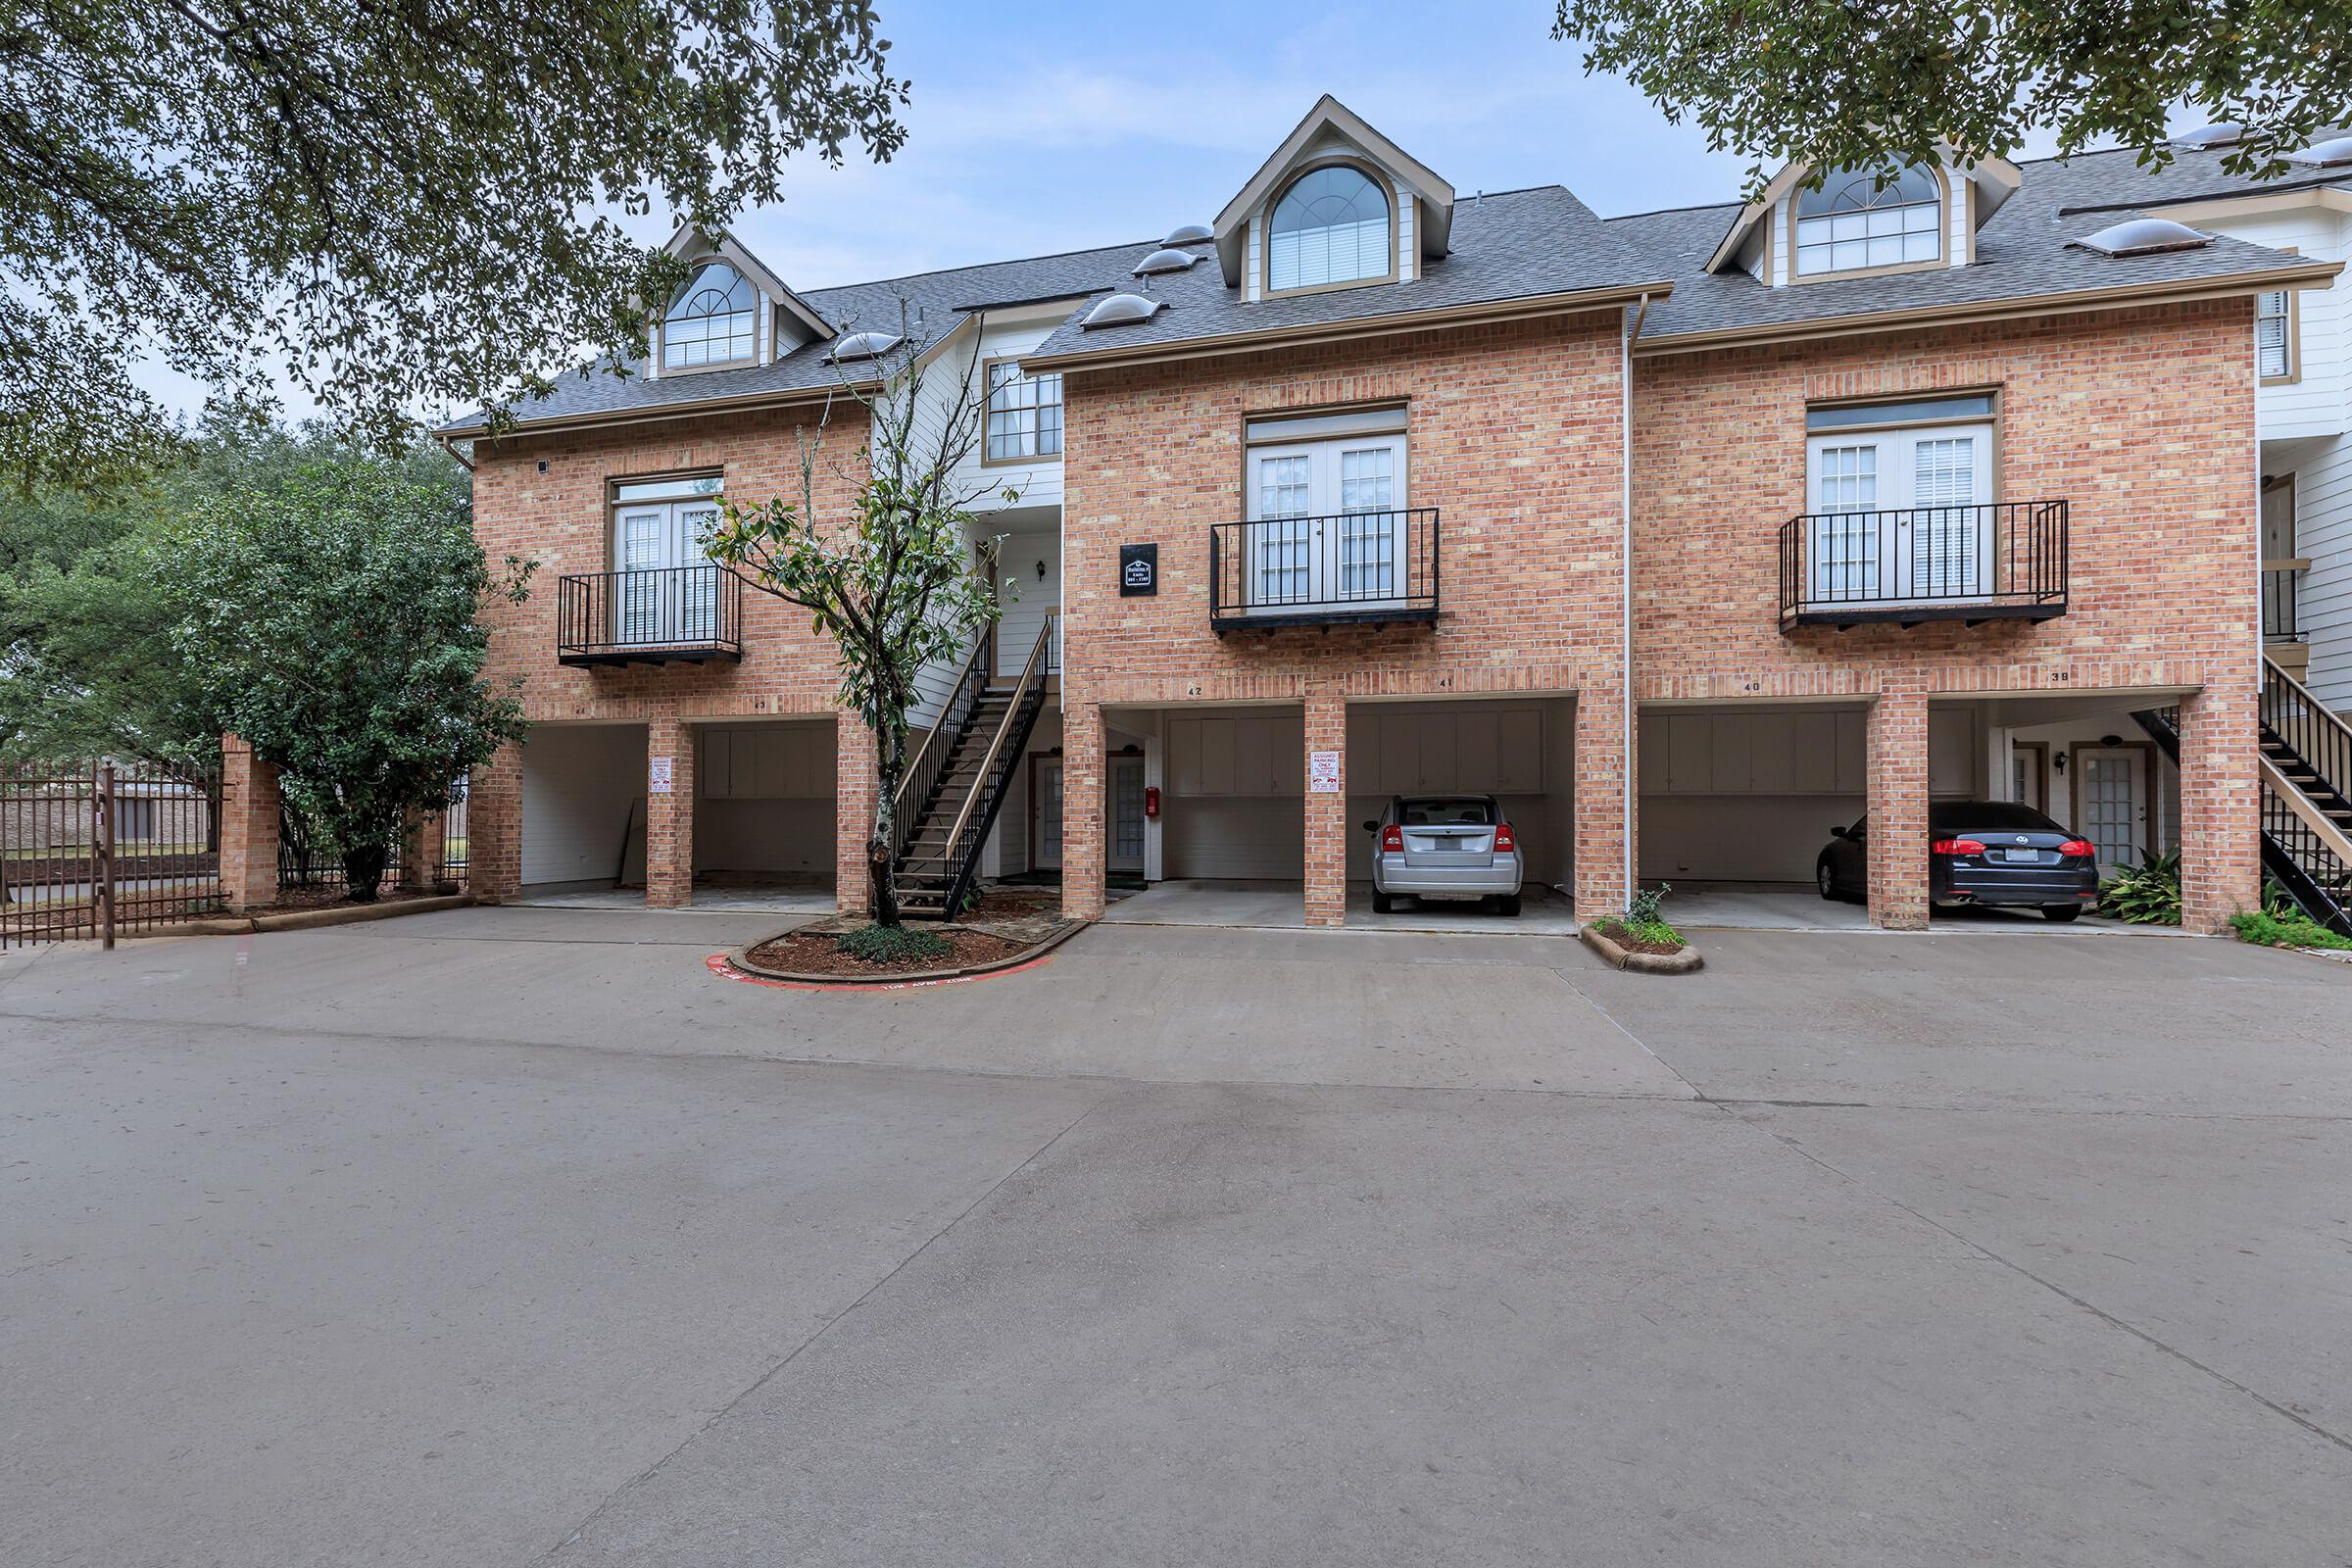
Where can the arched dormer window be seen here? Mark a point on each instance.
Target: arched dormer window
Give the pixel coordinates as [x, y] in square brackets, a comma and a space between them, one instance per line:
[711, 319]
[1332, 225]
[1853, 223]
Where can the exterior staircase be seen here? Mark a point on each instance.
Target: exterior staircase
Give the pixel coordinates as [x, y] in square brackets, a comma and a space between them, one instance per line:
[2305, 794]
[958, 775]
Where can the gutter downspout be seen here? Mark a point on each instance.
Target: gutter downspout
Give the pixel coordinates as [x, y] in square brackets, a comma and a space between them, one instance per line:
[1632, 735]
[451, 447]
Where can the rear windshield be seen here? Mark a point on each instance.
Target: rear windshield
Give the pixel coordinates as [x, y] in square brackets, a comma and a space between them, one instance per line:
[1991, 815]
[1447, 813]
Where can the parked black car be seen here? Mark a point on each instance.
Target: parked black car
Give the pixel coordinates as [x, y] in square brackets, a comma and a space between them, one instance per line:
[1980, 851]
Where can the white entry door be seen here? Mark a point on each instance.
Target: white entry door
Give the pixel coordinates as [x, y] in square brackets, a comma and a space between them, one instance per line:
[2111, 804]
[1127, 813]
[1045, 815]
[1330, 523]
[1901, 515]
[659, 598]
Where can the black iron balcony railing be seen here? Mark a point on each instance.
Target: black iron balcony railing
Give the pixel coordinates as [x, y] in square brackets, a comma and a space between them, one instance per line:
[2279, 623]
[1352, 567]
[684, 613]
[1999, 561]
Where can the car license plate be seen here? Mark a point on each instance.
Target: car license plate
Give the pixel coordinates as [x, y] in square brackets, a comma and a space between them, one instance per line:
[2026, 855]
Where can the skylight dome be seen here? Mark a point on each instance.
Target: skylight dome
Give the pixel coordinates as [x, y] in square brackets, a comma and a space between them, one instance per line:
[2143, 236]
[2326, 154]
[1121, 309]
[2206, 138]
[1191, 234]
[862, 346]
[1168, 259]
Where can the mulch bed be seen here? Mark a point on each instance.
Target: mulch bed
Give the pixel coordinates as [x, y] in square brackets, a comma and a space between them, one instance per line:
[1012, 904]
[291, 899]
[815, 953]
[1616, 932]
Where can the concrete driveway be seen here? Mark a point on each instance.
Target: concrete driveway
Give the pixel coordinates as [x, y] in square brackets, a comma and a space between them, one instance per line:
[515, 1236]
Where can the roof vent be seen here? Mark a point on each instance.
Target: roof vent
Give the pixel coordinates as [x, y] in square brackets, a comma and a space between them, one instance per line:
[1121, 309]
[2142, 236]
[2328, 154]
[1191, 234]
[1169, 260]
[862, 346]
[2206, 138]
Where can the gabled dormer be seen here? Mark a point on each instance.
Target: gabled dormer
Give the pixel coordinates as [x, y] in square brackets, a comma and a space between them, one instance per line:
[1857, 223]
[732, 312]
[1337, 206]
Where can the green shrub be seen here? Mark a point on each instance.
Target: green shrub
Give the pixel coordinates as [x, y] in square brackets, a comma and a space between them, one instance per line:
[2293, 930]
[2147, 894]
[1642, 907]
[882, 944]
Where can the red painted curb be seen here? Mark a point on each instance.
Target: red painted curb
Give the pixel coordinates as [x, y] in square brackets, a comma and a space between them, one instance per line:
[719, 965]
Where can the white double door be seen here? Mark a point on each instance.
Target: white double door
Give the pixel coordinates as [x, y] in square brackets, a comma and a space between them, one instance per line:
[1327, 524]
[658, 598]
[1901, 515]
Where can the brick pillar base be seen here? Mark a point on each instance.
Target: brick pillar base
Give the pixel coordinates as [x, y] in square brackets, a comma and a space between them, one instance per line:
[1326, 860]
[670, 815]
[2221, 807]
[1898, 811]
[494, 828]
[1081, 856]
[854, 784]
[1605, 804]
[248, 826]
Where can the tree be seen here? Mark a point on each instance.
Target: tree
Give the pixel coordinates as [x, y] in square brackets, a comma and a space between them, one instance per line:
[890, 580]
[395, 206]
[331, 619]
[1869, 84]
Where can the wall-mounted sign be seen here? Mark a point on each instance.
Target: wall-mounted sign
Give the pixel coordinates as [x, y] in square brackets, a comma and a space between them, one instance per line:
[658, 774]
[1323, 772]
[1139, 570]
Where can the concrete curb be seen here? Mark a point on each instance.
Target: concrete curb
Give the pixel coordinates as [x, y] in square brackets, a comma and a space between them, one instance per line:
[741, 959]
[1685, 961]
[237, 925]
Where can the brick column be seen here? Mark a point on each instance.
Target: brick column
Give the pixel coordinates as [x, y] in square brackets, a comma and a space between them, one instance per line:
[670, 815]
[854, 784]
[1605, 804]
[248, 826]
[2221, 807]
[420, 851]
[1082, 848]
[494, 828]
[1326, 868]
[1899, 811]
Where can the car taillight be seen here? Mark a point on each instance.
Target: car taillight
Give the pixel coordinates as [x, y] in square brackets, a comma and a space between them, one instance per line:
[2078, 847]
[1391, 840]
[1504, 839]
[1957, 847]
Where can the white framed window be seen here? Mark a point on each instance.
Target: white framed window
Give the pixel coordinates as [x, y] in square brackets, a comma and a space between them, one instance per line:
[661, 528]
[1332, 225]
[1852, 224]
[1900, 514]
[1328, 522]
[2275, 334]
[1024, 413]
[712, 320]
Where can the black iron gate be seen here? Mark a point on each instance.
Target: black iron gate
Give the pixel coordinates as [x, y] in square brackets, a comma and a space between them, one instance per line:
[91, 850]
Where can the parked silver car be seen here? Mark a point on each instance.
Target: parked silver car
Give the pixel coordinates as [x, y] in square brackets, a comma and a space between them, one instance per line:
[1445, 847]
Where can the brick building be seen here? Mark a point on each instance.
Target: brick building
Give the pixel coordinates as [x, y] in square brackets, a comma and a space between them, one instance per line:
[1684, 534]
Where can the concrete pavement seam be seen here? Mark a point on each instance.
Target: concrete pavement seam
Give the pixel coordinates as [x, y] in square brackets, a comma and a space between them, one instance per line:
[823, 1329]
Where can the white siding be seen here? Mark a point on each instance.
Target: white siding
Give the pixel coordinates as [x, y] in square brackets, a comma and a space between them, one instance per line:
[2313, 404]
[2324, 537]
[583, 789]
[1408, 244]
[1025, 617]
[1249, 260]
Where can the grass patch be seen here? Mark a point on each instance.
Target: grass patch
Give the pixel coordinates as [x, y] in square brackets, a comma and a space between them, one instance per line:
[882, 944]
[2268, 929]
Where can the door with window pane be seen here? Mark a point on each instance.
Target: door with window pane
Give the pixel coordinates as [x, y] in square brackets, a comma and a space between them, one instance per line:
[659, 599]
[1328, 523]
[2111, 807]
[1901, 515]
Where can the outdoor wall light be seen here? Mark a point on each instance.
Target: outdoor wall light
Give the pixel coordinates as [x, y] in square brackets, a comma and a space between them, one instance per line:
[1041, 572]
[2058, 763]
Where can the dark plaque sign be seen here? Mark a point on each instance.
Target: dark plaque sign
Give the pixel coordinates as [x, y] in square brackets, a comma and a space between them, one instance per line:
[1139, 570]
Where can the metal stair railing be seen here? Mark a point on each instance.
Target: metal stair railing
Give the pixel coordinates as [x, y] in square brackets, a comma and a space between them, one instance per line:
[929, 762]
[2320, 740]
[986, 797]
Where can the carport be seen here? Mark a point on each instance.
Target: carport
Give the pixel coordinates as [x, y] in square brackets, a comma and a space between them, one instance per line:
[584, 809]
[763, 808]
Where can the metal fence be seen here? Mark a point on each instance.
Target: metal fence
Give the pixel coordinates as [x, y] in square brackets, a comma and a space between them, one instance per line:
[91, 849]
[307, 862]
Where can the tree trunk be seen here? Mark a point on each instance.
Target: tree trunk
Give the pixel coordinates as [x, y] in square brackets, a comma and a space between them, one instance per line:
[364, 869]
[881, 860]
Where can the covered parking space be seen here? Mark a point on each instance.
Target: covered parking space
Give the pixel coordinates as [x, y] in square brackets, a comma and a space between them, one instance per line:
[764, 809]
[584, 810]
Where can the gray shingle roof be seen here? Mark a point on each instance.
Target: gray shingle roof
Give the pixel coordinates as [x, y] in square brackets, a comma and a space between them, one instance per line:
[2022, 252]
[1522, 244]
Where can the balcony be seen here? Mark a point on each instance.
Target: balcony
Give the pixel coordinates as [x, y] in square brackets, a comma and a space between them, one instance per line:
[1350, 568]
[675, 614]
[2005, 561]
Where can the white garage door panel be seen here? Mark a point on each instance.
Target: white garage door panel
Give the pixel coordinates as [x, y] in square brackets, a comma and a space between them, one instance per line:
[1236, 836]
[579, 789]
